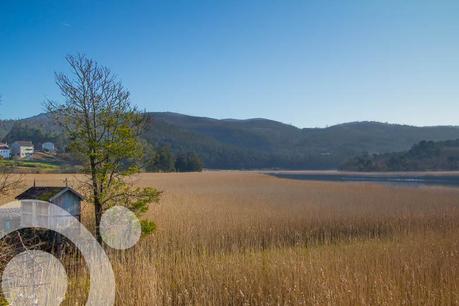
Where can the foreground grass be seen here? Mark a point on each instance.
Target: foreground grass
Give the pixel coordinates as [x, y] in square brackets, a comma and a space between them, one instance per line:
[249, 239]
[411, 271]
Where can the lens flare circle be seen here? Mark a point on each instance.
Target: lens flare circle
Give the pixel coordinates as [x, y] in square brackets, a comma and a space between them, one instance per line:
[34, 278]
[120, 228]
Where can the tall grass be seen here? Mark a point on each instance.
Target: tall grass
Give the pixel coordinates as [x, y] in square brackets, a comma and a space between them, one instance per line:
[229, 238]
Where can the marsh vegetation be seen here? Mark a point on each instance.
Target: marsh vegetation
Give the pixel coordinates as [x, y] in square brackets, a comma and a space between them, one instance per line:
[234, 238]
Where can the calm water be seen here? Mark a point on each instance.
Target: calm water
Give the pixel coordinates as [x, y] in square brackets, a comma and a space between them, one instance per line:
[407, 180]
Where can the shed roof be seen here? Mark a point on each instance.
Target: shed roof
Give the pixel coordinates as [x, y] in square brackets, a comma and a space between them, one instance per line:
[46, 193]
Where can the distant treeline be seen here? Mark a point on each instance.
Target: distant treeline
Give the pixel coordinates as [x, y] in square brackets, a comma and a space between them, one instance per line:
[163, 160]
[21, 131]
[156, 159]
[424, 156]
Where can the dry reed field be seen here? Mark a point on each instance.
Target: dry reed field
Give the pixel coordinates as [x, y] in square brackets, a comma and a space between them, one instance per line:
[244, 238]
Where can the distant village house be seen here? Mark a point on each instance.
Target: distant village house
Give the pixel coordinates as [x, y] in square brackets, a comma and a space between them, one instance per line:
[22, 149]
[48, 147]
[5, 152]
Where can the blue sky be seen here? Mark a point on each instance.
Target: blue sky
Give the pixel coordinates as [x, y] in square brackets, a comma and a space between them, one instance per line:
[308, 63]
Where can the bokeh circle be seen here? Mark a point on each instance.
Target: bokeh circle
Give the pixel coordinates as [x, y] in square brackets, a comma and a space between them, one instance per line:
[34, 278]
[120, 228]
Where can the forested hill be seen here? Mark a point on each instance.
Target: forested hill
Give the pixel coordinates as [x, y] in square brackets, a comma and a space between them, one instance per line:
[257, 143]
[423, 156]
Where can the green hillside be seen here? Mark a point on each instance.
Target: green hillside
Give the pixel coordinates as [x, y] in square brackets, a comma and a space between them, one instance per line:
[258, 143]
[423, 156]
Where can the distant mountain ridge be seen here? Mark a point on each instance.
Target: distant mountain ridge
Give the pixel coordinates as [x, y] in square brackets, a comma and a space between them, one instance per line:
[263, 143]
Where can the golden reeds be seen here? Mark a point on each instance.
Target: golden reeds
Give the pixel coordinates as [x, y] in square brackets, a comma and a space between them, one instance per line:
[235, 238]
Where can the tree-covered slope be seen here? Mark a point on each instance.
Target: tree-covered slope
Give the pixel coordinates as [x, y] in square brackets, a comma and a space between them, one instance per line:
[423, 156]
[262, 143]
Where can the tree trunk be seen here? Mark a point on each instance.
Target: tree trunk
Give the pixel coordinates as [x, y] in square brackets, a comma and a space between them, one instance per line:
[97, 204]
[98, 214]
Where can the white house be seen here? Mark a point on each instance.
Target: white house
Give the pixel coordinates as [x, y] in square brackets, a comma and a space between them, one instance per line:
[48, 147]
[22, 149]
[5, 152]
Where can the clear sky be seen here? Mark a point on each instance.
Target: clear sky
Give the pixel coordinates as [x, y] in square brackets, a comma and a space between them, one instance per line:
[308, 63]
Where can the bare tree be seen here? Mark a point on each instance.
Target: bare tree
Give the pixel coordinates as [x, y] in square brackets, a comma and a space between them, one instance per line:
[103, 128]
[9, 181]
